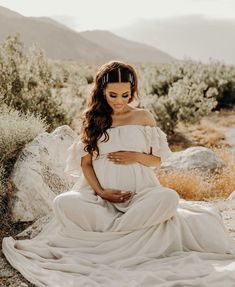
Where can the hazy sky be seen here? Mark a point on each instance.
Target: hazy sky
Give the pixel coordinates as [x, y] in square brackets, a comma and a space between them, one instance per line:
[107, 14]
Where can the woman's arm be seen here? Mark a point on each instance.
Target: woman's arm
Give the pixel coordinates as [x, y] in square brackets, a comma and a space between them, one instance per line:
[89, 173]
[148, 159]
[128, 157]
[107, 194]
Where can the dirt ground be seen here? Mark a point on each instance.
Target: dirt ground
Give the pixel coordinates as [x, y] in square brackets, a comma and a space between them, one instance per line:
[215, 130]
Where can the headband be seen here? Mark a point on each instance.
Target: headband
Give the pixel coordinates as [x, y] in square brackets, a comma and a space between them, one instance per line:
[105, 78]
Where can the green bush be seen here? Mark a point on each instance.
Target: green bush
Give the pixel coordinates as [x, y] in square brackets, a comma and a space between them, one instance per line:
[26, 82]
[188, 90]
[214, 75]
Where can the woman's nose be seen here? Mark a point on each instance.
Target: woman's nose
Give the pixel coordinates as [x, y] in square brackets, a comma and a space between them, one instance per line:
[119, 100]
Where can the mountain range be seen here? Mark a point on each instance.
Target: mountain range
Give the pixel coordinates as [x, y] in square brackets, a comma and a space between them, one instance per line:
[63, 43]
[192, 36]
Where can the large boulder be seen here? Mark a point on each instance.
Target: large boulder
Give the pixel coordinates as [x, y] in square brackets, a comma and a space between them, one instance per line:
[197, 158]
[38, 174]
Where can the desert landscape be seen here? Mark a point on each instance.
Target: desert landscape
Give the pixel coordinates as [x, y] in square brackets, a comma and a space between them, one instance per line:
[43, 92]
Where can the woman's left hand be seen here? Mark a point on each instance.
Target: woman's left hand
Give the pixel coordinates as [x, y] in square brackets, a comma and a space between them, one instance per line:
[123, 157]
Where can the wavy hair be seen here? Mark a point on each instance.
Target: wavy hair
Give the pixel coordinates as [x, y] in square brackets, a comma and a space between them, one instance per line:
[96, 118]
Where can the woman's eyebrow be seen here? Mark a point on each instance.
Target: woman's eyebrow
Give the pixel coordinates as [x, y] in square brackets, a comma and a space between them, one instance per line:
[116, 93]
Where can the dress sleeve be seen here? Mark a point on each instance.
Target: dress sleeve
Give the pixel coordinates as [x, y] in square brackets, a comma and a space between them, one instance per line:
[158, 142]
[74, 155]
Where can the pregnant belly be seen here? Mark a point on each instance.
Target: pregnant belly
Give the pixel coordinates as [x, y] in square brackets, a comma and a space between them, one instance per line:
[115, 176]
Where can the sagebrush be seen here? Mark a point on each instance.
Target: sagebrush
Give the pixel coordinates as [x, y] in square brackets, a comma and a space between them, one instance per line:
[26, 82]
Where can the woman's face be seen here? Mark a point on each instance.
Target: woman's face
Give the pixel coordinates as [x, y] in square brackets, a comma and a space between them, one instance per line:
[118, 95]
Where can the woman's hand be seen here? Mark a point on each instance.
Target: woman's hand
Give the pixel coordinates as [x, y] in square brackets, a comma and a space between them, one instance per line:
[123, 157]
[114, 195]
[128, 157]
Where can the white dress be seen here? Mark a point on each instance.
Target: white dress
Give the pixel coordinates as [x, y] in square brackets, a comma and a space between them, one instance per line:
[154, 239]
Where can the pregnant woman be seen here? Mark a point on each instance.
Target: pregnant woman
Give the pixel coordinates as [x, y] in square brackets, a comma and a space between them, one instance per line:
[118, 226]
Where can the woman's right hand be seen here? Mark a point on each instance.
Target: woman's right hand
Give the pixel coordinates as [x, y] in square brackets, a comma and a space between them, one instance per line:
[114, 195]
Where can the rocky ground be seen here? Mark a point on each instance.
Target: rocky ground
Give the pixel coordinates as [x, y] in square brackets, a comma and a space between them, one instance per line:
[12, 278]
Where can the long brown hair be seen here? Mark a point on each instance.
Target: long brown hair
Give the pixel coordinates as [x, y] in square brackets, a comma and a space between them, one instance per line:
[96, 118]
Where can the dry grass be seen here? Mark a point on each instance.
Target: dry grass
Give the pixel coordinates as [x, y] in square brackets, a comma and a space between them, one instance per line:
[224, 182]
[209, 131]
[226, 117]
[205, 133]
[192, 185]
[208, 134]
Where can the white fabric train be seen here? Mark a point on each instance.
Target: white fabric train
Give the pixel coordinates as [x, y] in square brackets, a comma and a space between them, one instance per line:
[154, 239]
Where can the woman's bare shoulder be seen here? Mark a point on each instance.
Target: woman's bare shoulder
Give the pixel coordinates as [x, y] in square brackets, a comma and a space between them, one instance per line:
[145, 117]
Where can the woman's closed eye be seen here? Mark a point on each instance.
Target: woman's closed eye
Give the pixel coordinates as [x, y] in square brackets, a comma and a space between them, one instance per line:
[112, 96]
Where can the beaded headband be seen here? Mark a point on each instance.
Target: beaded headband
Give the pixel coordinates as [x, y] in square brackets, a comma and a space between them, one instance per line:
[105, 78]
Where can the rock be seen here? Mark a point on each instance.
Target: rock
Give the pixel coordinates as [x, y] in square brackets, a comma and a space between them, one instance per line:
[232, 196]
[38, 174]
[5, 269]
[194, 158]
[35, 228]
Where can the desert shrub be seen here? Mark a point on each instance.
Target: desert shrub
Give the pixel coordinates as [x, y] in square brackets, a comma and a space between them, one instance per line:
[90, 79]
[188, 90]
[2, 180]
[26, 82]
[218, 77]
[165, 76]
[3, 191]
[214, 76]
[17, 129]
[185, 102]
